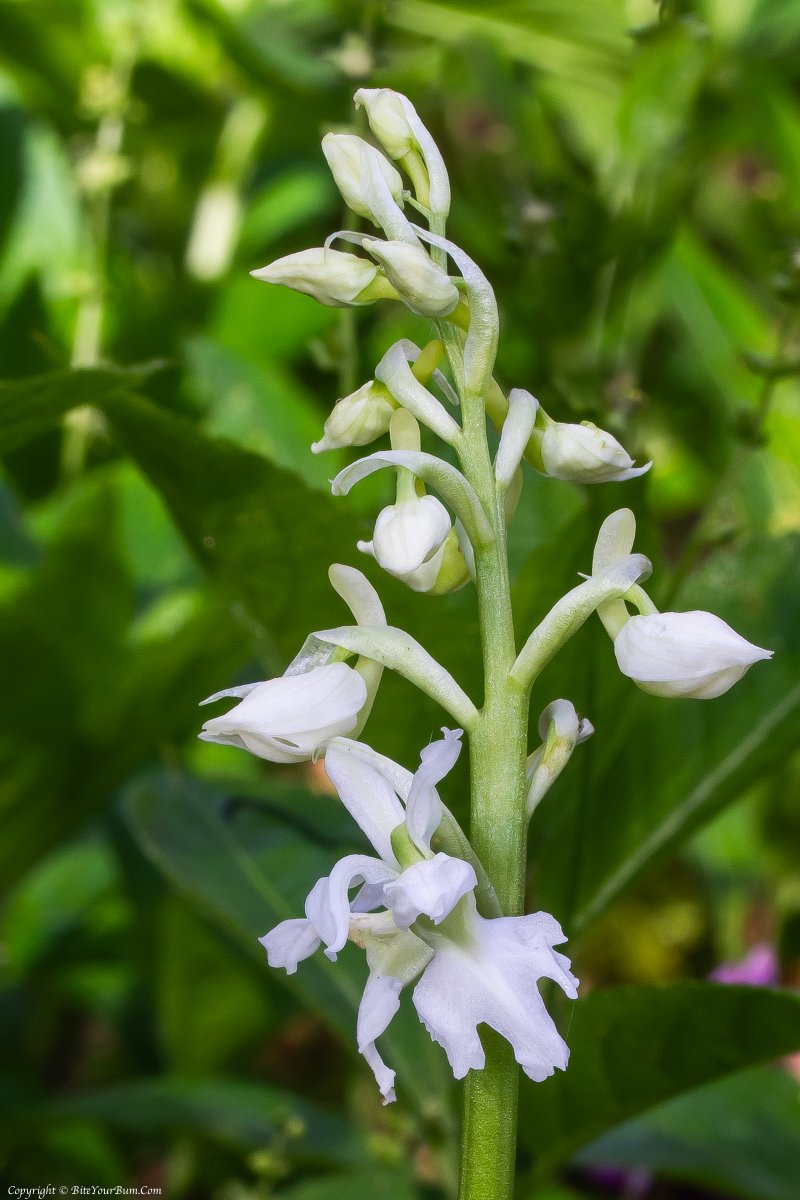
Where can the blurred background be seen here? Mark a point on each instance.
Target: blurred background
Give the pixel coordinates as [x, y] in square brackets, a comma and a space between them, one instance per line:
[627, 173]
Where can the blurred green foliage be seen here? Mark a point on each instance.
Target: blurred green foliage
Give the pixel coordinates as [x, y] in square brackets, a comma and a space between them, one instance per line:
[627, 173]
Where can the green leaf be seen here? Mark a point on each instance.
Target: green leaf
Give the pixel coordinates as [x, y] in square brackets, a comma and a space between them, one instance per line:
[245, 872]
[632, 1048]
[212, 1007]
[257, 529]
[246, 1116]
[87, 706]
[261, 408]
[738, 1137]
[379, 1183]
[29, 407]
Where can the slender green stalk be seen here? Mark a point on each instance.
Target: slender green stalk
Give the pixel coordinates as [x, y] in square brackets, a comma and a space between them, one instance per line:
[498, 747]
[498, 825]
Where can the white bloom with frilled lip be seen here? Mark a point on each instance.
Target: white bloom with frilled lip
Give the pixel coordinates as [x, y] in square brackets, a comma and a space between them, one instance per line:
[345, 155]
[290, 719]
[332, 277]
[692, 654]
[470, 970]
[409, 540]
[585, 454]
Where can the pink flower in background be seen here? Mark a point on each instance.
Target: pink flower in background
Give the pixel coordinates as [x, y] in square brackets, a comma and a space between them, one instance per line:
[758, 968]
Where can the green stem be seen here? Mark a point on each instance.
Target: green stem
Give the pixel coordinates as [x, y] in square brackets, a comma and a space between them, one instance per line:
[498, 748]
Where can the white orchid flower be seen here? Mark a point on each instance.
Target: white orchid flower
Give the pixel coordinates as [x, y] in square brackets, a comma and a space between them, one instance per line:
[345, 156]
[289, 719]
[332, 277]
[691, 654]
[409, 540]
[293, 717]
[585, 454]
[412, 537]
[688, 654]
[470, 970]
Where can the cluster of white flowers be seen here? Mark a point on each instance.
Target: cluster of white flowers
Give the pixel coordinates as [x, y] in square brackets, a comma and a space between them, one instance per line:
[422, 916]
[415, 911]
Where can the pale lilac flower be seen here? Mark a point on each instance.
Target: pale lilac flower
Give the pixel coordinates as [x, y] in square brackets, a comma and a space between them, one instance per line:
[415, 916]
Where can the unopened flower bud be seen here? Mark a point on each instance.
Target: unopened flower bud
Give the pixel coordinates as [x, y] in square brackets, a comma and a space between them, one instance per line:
[561, 730]
[344, 153]
[419, 282]
[358, 419]
[388, 119]
[585, 454]
[396, 124]
[409, 540]
[332, 277]
[692, 654]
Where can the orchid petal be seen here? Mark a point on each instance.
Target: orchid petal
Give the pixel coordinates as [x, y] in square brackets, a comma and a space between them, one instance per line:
[399, 652]
[238, 693]
[694, 654]
[572, 610]
[367, 796]
[493, 981]
[480, 346]
[393, 371]
[412, 352]
[328, 902]
[379, 1003]
[431, 888]
[450, 836]
[382, 204]
[289, 943]
[289, 718]
[423, 806]
[516, 432]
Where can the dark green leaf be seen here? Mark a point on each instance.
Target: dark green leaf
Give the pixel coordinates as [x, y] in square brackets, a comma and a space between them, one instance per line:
[29, 407]
[257, 529]
[634, 1047]
[247, 1116]
[738, 1137]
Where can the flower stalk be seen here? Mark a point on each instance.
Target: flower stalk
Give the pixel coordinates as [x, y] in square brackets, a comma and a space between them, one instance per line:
[498, 826]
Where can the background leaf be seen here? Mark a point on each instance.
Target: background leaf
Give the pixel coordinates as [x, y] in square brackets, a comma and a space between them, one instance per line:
[632, 1048]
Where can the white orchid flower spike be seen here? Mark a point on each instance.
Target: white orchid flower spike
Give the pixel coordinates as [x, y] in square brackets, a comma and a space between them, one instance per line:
[415, 916]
